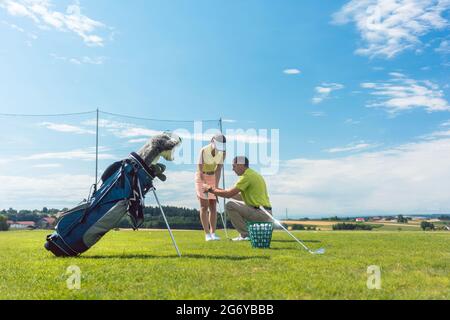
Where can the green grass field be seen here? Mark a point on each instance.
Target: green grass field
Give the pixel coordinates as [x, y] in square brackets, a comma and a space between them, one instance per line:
[143, 265]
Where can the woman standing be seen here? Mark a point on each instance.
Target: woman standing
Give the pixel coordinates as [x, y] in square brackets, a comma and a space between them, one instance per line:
[208, 172]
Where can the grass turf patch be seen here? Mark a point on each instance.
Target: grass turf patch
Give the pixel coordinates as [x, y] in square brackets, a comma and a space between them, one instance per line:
[144, 265]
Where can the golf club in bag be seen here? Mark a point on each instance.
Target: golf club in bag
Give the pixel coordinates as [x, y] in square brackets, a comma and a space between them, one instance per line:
[124, 186]
[318, 251]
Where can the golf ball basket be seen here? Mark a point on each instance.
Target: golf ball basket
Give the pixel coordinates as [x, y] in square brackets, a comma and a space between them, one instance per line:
[260, 234]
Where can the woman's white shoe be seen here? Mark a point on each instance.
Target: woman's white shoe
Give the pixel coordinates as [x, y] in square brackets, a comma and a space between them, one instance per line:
[215, 237]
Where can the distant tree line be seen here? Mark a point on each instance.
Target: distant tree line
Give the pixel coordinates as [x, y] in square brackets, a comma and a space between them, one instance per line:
[30, 215]
[186, 218]
[179, 218]
[336, 218]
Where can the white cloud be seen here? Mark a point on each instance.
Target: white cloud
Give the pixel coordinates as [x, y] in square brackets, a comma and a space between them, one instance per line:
[30, 37]
[80, 61]
[352, 147]
[292, 71]
[13, 26]
[437, 135]
[62, 127]
[317, 100]
[142, 140]
[95, 60]
[444, 47]
[47, 165]
[104, 123]
[45, 17]
[352, 121]
[135, 134]
[412, 178]
[123, 130]
[318, 114]
[177, 190]
[57, 191]
[400, 94]
[397, 75]
[391, 27]
[324, 90]
[229, 120]
[79, 154]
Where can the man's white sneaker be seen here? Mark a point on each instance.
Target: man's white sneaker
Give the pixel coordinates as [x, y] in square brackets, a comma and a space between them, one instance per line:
[208, 237]
[241, 239]
[215, 237]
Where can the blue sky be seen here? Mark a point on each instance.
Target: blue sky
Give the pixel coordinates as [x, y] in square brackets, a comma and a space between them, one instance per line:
[359, 91]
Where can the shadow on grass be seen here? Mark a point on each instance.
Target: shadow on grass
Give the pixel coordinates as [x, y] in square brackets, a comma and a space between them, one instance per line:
[287, 249]
[306, 241]
[192, 256]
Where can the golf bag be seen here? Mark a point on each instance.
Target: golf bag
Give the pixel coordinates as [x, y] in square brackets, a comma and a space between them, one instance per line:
[124, 186]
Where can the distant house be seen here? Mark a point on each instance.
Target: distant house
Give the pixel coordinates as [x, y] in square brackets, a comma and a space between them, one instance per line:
[22, 225]
[47, 223]
[360, 220]
[376, 218]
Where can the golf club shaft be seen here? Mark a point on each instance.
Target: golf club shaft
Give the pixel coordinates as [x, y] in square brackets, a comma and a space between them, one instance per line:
[279, 223]
[222, 216]
[167, 223]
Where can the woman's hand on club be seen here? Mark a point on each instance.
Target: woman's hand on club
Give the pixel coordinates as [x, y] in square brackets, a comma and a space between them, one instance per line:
[206, 187]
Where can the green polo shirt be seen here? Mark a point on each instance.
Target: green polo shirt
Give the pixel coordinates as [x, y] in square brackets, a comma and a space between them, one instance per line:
[253, 189]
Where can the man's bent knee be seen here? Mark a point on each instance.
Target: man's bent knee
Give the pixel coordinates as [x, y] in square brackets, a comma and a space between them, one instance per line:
[231, 206]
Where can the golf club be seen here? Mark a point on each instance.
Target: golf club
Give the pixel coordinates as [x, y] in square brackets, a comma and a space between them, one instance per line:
[223, 219]
[167, 223]
[318, 251]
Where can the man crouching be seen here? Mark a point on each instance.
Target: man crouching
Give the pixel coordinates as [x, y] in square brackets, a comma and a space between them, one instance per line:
[252, 189]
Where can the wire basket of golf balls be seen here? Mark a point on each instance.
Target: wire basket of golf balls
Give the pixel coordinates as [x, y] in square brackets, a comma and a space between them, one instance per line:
[260, 234]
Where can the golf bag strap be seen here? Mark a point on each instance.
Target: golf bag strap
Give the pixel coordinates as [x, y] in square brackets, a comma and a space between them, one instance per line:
[111, 170]
[92, 206]
[136, 203]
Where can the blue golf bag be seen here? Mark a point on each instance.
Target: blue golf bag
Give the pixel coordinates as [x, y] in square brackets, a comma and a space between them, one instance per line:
[125, 184]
